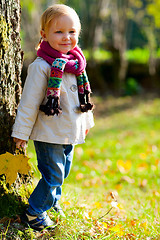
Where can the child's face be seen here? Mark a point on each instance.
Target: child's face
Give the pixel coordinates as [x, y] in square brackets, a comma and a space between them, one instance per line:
[62, 34]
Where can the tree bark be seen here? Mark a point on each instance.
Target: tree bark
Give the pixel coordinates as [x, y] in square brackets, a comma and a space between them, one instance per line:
[11, 57]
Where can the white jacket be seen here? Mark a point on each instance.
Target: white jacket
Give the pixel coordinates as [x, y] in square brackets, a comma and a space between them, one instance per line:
[67, 128]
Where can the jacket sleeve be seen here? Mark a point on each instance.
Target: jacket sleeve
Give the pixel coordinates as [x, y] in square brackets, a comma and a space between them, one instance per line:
[89, 120]
[32, 96]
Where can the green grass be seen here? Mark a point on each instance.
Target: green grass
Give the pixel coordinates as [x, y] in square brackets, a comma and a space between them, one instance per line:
[120, 161]
[99, 55]
[139, 55]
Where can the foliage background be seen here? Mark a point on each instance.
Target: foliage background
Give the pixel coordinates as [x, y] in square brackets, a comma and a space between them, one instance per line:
[120, 39]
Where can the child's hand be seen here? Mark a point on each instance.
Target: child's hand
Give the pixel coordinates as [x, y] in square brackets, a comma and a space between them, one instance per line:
[19, 143]
[87, 132]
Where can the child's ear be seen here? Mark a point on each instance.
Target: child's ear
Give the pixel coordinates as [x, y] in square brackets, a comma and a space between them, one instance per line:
[43, 35]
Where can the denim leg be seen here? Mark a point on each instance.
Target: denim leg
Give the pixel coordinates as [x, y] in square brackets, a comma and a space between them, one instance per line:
[54, 162]
[69, 156]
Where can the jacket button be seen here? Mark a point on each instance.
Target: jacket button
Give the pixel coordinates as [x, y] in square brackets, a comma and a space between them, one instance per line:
[73, 88]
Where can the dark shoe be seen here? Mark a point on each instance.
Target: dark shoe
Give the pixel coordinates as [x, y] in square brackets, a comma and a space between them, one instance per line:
[37, 222]
[59, 210]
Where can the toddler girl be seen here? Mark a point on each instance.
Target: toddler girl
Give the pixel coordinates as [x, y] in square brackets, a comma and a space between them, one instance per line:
[55, 109]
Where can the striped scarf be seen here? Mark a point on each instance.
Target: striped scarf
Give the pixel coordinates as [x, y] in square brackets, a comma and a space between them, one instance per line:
[72, 62]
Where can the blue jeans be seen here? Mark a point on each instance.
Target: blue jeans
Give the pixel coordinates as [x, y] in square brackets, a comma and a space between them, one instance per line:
[54, 163]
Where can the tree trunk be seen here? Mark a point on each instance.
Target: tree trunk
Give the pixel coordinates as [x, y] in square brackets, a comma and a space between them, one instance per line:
[119, 27]
[11, 57]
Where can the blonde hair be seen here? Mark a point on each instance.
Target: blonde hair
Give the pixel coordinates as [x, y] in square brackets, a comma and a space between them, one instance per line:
[56, 11]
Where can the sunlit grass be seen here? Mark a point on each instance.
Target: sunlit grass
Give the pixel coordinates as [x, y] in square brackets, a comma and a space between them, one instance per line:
[119, 164]
[98, 54]
[137, 55]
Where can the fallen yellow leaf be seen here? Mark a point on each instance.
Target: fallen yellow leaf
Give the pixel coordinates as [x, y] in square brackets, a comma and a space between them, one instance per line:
[90, 213]
[11, 164]
[66, 203]
[119, 206]
[157, 162]
[119, 186]
[86, 216]
[144, 225]
[97, 204]
[124, 166]
[118, 229]
[143, 156]
[134, 222]
[79, 176]
[105, 225]
[142, 166]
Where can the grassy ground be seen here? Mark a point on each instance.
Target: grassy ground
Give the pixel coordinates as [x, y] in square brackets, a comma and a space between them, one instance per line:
[113, 188]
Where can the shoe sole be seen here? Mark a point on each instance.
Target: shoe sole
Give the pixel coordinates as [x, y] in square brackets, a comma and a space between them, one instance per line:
[36, 227]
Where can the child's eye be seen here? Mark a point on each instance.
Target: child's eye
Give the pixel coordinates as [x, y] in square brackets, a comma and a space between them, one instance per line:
[58, 31]
[72, 31]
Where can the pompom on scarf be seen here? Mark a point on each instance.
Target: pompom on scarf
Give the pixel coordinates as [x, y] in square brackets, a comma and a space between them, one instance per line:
[72, 62]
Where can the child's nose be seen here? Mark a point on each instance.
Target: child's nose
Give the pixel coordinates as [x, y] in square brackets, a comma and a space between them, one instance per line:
[66, 36]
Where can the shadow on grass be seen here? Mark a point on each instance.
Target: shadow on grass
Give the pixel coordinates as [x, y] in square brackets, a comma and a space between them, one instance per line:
[106, 106]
